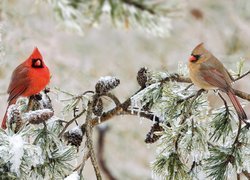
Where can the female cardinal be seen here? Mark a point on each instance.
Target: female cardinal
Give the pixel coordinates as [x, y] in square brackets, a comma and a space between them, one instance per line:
[207, 72]
[28, 79]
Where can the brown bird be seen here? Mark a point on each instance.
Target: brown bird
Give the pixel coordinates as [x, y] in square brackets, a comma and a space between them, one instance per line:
[207, 72]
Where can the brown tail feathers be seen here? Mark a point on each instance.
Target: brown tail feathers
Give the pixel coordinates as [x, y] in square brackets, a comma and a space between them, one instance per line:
[240, 111]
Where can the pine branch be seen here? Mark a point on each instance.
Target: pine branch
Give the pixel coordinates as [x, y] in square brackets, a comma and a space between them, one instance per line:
[139, 6]
[187, 114]
[182, 79]
[122, 109]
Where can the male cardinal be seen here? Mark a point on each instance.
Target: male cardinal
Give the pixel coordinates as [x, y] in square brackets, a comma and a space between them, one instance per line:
[28, 79]
[207, 72]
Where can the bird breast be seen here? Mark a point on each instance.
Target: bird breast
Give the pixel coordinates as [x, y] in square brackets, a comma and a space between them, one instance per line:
[39, 78]
[196, 77]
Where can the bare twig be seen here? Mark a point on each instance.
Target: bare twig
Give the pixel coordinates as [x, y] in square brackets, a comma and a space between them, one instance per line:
[224, 101]
[238, 176]
[236, 141]
[191, 96]
[114, 98]
[189, 86]
[100, 154]
[247, 174]
[70, 122]
[243, 75]
[177, 78]
[194, 164]
[89, 141]
[242, 95]
[120, 111]
[84, 159]
[75, 97]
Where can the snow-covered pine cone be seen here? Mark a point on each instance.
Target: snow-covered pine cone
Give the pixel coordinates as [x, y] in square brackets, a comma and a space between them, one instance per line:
[74, 136]
[14, 118]
[105, 84]
[97, 106]
[151, 137]
[38, 116]
[142, 77]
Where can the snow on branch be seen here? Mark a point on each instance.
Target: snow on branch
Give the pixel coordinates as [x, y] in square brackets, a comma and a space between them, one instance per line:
[193, 139]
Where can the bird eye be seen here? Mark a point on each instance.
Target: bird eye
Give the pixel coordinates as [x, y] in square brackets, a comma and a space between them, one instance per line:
[197, 57]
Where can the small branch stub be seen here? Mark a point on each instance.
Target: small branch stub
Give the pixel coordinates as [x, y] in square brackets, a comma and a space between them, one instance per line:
[151, 137]
[97, 107]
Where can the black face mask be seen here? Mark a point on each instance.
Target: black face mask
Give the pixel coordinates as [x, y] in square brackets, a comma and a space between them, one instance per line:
[37, 63]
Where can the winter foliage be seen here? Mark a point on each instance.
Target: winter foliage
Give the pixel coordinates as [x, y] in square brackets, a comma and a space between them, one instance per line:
[194, 140]
[150, 17]
[35, 151]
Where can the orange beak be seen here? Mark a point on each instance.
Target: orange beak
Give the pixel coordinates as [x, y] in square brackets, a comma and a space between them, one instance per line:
[192, 58]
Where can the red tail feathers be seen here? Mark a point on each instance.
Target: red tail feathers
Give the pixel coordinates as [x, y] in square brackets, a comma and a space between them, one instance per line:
[3, 125]
[240, 111]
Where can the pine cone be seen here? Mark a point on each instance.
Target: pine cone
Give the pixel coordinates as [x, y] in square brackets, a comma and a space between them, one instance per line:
[151, 137]
[15, 120]
[105, 84]
[38, 116]
[74, 136]
[142, 77]
[97, 106]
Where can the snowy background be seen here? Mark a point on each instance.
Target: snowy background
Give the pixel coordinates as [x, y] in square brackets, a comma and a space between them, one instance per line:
[76, 62]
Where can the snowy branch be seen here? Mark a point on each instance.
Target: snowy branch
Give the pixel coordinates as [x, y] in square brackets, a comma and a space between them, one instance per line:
[168, 100]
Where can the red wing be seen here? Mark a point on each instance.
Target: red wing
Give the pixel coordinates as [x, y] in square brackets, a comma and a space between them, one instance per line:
[15, 93]
[19, 82]
[215, 78]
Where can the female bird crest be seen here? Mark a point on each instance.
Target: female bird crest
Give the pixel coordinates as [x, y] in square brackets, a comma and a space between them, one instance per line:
[199, 53]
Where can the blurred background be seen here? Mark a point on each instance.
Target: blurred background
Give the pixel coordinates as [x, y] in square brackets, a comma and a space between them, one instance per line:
[77, 59]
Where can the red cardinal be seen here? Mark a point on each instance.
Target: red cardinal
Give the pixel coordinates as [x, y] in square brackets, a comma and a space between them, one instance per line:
[207, 72]
[29, 78]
